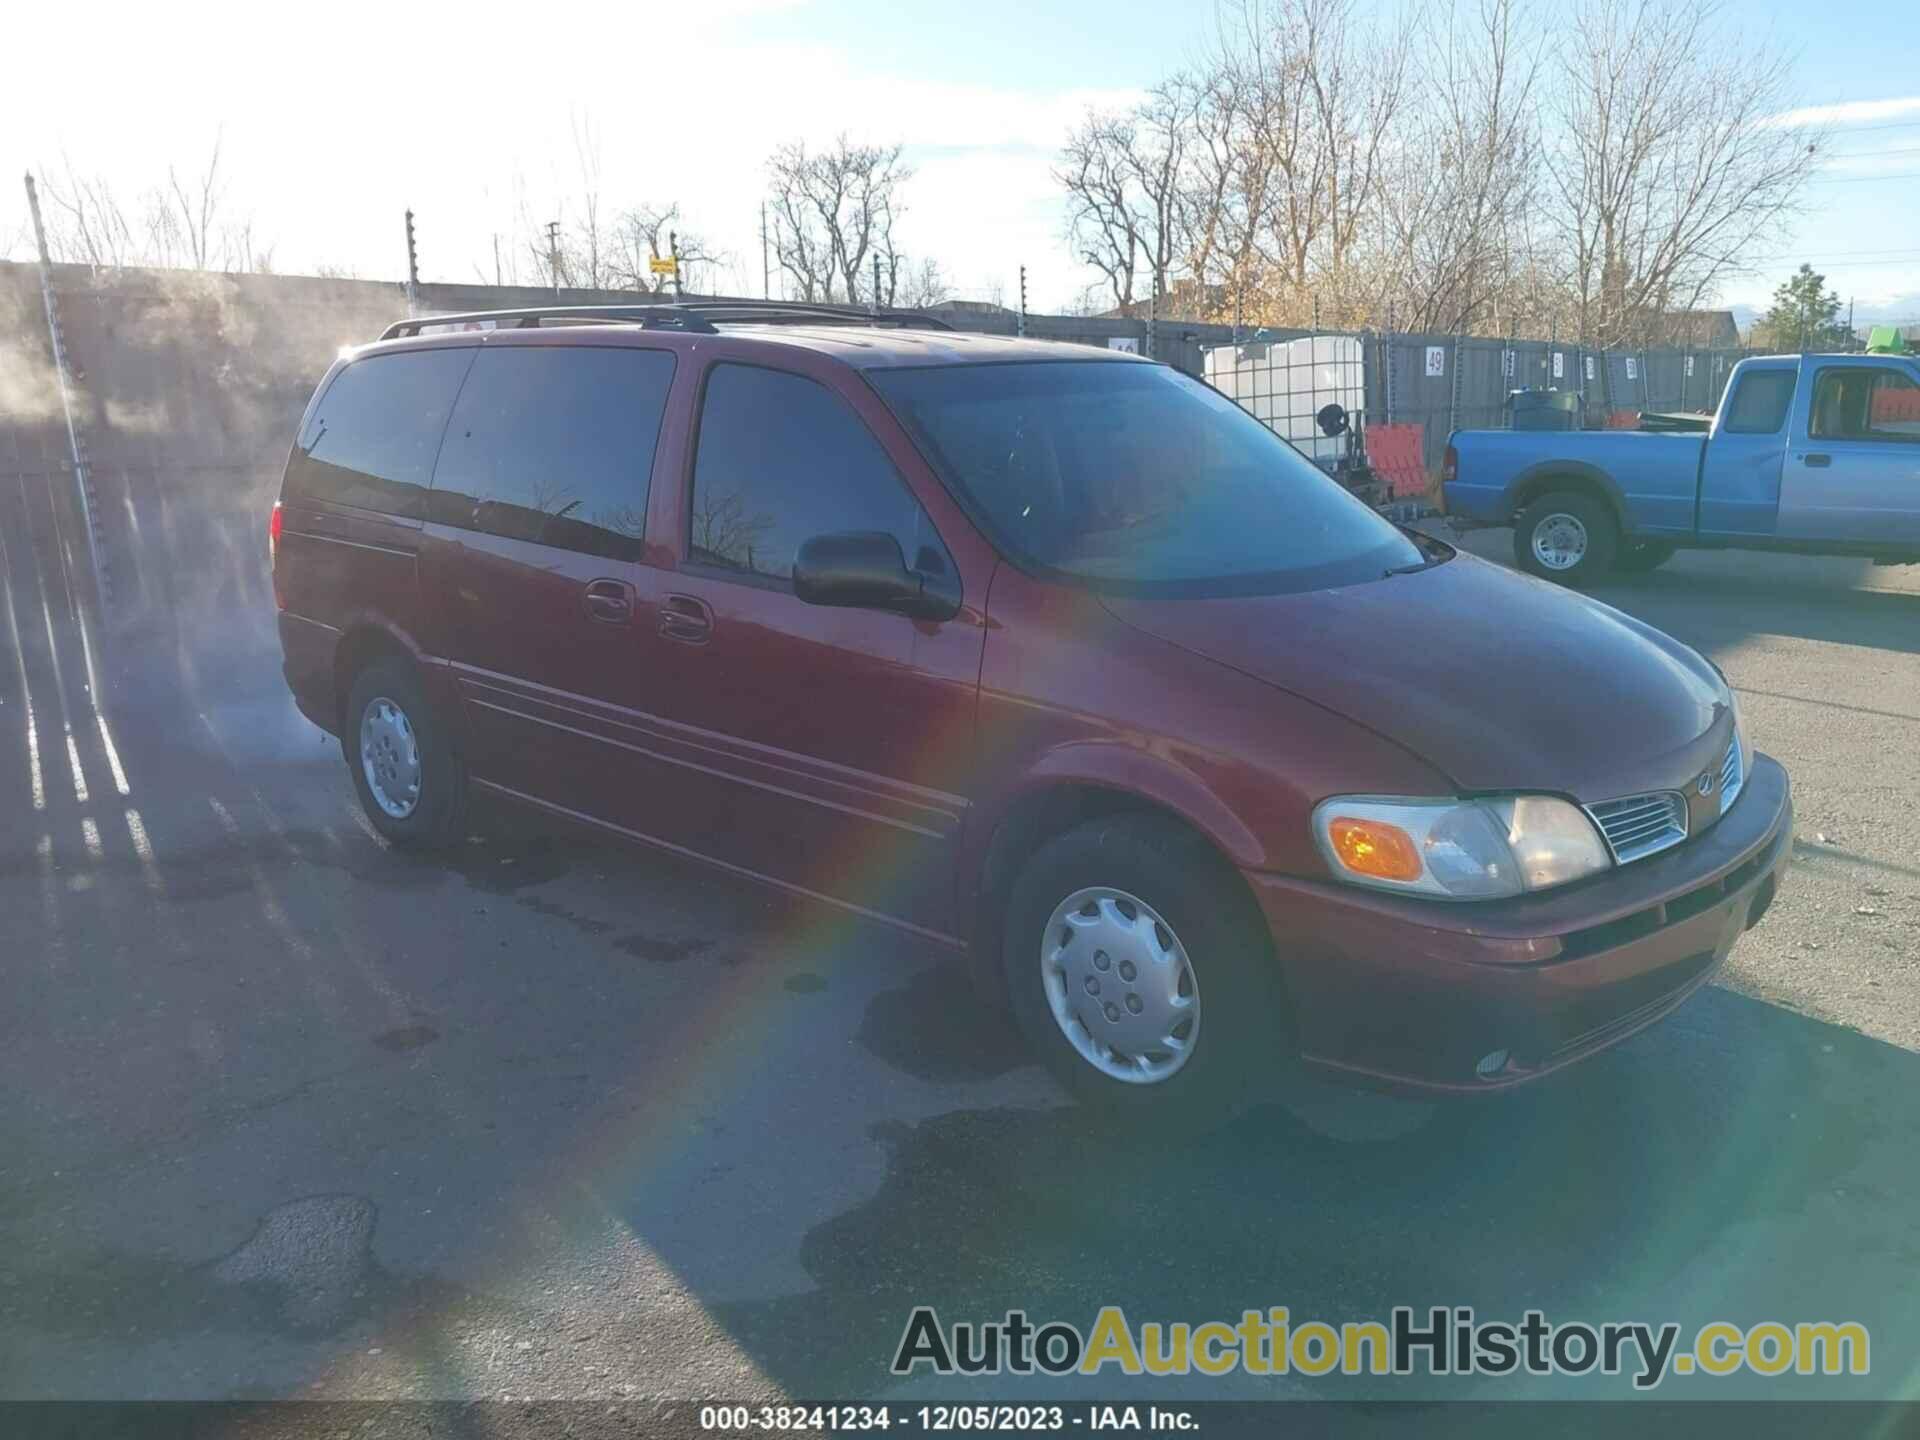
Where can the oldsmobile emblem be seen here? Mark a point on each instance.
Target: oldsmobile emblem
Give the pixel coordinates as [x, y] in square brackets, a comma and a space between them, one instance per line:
[1706, 782]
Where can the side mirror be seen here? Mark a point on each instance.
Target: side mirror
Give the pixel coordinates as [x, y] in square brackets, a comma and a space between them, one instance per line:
[864, 569]
[1332, 420]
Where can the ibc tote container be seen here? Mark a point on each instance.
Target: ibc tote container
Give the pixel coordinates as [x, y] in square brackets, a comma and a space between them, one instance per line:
[1284, 384]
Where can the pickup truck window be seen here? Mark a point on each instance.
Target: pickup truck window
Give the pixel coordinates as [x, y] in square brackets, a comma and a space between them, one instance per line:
[1759, 405]
[1866, 403]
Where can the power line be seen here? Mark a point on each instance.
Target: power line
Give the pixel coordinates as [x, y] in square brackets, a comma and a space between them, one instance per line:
[1862, 179]
[1872, 154]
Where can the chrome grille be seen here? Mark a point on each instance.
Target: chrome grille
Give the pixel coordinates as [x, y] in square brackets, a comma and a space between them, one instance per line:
[1732, 776]
[1641, 825]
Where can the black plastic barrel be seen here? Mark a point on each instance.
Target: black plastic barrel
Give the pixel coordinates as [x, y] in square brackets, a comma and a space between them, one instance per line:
[1543, 409]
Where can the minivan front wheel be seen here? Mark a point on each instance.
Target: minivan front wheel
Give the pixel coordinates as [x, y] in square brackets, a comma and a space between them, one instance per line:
[1140, 973]
[408, 777]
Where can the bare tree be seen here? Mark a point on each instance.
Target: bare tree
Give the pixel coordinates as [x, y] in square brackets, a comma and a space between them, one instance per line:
[182, 224]
[190, 211]
[650, 233]
[831, 211]
[1462, 175]
[86, 223]
[1667, 179]
[1102, 223]
[921, 285]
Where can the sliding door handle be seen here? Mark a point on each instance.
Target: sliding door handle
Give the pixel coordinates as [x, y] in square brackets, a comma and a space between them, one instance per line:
[686, 618]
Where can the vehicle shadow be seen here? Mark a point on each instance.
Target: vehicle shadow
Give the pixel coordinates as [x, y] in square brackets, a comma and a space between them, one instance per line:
[1715, 598]
[1727, 1161]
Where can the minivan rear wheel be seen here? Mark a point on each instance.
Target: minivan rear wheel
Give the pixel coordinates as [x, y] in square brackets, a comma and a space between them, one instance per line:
[410, 781]
[1139, 972]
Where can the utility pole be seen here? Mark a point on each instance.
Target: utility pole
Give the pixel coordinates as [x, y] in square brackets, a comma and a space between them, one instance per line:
[496, 260]
[1021, 324]
[766, 267]
[673, 249]
[413, 268]
[553, 252]
[82, 479]
[875, 306]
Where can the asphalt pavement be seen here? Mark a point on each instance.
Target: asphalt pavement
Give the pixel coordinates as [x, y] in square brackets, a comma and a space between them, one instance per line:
[287, 1113]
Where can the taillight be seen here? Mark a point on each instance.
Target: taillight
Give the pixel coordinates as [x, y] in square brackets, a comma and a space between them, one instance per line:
[1450, 466]
[274, 522]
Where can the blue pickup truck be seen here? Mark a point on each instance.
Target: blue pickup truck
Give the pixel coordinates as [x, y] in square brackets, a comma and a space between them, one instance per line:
[1815, 454]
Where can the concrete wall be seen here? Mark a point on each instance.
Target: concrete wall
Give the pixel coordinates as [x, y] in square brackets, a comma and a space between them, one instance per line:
[189, 387]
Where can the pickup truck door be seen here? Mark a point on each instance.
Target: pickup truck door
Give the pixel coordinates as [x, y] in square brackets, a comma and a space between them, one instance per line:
[1853, 470]
[1740, 468]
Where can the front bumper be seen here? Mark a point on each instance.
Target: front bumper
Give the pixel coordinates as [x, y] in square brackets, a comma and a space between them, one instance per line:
[1410, 995]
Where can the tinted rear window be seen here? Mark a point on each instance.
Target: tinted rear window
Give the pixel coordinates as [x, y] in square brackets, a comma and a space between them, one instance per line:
[554, 444]
[1139, 479]
[373, 435]
[1760, 401]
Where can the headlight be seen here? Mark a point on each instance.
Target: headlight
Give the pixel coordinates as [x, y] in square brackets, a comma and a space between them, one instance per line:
[1458, 849]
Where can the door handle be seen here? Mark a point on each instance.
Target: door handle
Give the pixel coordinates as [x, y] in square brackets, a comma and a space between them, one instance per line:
[686, 618]
[1817, 461]
[610, 602]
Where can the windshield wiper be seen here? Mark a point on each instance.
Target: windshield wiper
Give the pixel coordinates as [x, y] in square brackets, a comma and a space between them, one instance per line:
[1436, 552]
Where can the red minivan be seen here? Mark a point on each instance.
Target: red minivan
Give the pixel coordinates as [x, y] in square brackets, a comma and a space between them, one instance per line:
[1051, 656]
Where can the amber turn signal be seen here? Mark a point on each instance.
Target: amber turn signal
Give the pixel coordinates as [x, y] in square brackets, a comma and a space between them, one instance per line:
[1375, 848]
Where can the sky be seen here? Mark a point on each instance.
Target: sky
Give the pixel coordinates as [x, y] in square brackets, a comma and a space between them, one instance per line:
[333, 120]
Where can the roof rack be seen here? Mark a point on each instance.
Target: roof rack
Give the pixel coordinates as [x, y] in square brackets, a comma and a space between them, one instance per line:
[697, 316]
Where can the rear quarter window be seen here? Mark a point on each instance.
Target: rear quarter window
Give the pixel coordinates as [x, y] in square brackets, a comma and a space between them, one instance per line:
[1760, 402]
[373, 434]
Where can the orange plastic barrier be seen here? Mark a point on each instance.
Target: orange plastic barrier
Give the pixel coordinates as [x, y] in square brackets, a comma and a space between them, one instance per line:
[1398, 454]
[1895, 406]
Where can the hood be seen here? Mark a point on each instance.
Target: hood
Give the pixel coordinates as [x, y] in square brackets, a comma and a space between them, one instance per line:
[1498, 680]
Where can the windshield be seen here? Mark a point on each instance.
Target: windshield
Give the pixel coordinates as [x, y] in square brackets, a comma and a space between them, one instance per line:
[1138, 478]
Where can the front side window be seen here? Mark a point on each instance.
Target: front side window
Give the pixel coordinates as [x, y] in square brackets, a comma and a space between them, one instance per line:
[554, 444]
[1862, 402]
[1760, 401]
[1137, 478]
[372, 437]
[781, 459]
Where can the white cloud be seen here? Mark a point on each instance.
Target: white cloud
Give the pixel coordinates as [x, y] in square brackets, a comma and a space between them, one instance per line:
[1851, 112]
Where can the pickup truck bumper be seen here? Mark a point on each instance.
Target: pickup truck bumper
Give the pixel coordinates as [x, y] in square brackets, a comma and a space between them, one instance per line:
[1414, 996]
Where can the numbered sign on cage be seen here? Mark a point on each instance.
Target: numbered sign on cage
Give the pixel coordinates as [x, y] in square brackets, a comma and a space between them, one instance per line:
[1506, 363]
[1633, 371]
[1126, 343]
[1589, 367]
[1559, 366]
[1689, 367]
[1436, 359]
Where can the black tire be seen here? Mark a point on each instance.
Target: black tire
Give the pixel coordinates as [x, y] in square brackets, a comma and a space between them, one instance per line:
[438, 816]
[1243, 1045]
[1595, 521]
[1637, 557]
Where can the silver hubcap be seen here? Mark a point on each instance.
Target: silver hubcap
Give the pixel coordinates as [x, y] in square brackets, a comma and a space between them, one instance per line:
[1120, 985]
[1560, 541]
[390, 756]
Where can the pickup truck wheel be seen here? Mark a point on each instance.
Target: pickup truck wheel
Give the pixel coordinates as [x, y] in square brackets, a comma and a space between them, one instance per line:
[1639, 556]
[1565, 536]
